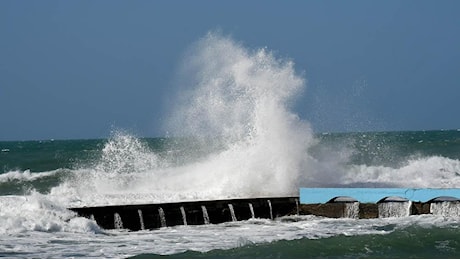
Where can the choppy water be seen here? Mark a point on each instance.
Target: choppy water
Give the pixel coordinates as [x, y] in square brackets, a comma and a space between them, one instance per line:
[35, 222]
[231, 135]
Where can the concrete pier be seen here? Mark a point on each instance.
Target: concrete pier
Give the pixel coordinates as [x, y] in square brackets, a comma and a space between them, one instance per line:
[326, 202]
[151, 216]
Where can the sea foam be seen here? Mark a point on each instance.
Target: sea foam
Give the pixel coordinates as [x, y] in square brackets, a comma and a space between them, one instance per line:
[26, 175]
[424, 172]
[38, 212]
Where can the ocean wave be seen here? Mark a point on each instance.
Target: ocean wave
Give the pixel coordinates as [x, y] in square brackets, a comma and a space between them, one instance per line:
[432, 243]
[237, 102]
[23, 182]
[424, 172]
[37, 212]
[26, 175]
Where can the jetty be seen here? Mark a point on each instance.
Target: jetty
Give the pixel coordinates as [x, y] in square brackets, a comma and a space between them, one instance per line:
[151, 216]
[326, 202]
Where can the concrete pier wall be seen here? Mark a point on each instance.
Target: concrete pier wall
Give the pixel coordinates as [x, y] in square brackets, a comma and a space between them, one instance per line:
[149, 216]
[326, 202]
[368, 210]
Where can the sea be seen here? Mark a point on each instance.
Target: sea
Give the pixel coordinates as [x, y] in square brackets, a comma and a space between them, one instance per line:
[230, 132]
[39, 180]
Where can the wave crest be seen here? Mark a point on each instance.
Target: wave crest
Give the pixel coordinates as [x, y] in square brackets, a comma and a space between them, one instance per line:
[424, 172]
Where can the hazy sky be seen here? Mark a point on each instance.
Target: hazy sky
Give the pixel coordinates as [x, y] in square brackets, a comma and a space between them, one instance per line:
[79, 69]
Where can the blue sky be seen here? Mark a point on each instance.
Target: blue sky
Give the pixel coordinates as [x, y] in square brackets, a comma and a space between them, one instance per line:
[79, 69]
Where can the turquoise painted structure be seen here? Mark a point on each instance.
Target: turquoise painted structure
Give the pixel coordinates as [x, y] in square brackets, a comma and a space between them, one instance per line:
[374, 195]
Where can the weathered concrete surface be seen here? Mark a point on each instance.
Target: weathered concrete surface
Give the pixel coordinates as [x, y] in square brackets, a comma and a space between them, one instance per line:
[368, 210]
[330, 210]
[419, 208]
[337, 210]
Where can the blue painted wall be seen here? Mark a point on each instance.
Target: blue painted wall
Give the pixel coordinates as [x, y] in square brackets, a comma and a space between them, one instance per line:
[373, 195]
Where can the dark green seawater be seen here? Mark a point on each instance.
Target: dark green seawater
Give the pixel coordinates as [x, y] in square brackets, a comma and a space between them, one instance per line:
[372, 148]
[40, 179]
[412, 242]
[395, 148]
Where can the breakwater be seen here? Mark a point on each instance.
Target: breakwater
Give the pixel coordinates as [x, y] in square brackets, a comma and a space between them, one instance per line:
[151, 216]
[329, 202]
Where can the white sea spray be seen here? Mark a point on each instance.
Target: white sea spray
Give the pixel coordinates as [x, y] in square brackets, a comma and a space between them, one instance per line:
[235, 106]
